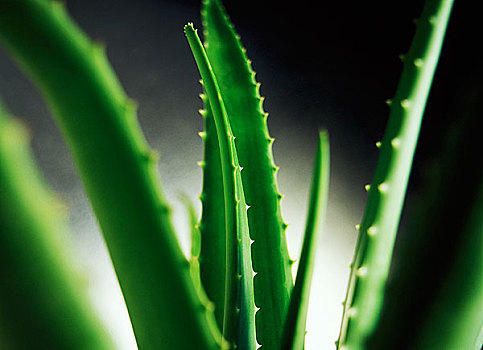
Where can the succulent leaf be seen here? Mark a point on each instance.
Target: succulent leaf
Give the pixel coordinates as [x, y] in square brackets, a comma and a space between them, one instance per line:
[117, 168]
[240, 92]
[212, 223]
[294, 330]
[195, 268]
[458, 307]
[239, 311]
[386, 193]
[43, 298]
[447, 212]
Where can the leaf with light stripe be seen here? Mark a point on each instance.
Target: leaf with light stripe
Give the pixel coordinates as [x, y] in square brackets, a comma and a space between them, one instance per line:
[241, 95]
[212, 222]
[239, 311]
[294, 330]
[379, 225]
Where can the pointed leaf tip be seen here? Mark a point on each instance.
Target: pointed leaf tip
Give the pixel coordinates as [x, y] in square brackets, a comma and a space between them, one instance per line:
[294, 328]
[189, 28]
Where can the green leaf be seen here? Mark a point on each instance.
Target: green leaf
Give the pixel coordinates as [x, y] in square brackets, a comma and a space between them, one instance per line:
[195, 267]
[379, 225]
[294, 330]
[247, 339]
[457, 308]
[239, 311]
[43, 299]
[240, 93]
[212, 223]
[117, 168]
[438, 263]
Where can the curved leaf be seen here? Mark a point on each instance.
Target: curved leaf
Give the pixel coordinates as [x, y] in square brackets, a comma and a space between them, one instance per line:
[43, 299]
[118, 170]
[239, 311]
[379, 225]
[241, 95]
[294, 330]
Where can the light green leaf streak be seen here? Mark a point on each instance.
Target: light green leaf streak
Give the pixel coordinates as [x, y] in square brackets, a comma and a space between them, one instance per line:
[294, 330]
[241, 95]
[239, 310]
[212, 223]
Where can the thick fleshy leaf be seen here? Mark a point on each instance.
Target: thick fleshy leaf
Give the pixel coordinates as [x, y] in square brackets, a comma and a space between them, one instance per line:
[294, 330]
[239, 310]
[212, 222]
[118, 170]
[43, 298]
[380, 222]
[240, 93]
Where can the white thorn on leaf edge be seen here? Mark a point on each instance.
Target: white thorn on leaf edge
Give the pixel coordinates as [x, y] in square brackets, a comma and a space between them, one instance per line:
[372, 231]
[383, 187]
[362, 271]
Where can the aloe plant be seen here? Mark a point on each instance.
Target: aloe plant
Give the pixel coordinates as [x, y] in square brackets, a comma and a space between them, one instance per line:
[236, 289]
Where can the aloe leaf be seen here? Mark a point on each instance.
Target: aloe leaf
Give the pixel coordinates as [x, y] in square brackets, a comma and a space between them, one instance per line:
[239, 310]
[195, 267]
[386, 195]
[212, 222]
[247, 339]
[43, 299]
[240, 92]
[431, 290]
[449, 212]
[195, 241]
[294, 331]
[117, 168]
[458, 307]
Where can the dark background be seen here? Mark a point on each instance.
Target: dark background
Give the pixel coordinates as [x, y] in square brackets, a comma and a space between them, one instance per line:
[321, 64]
